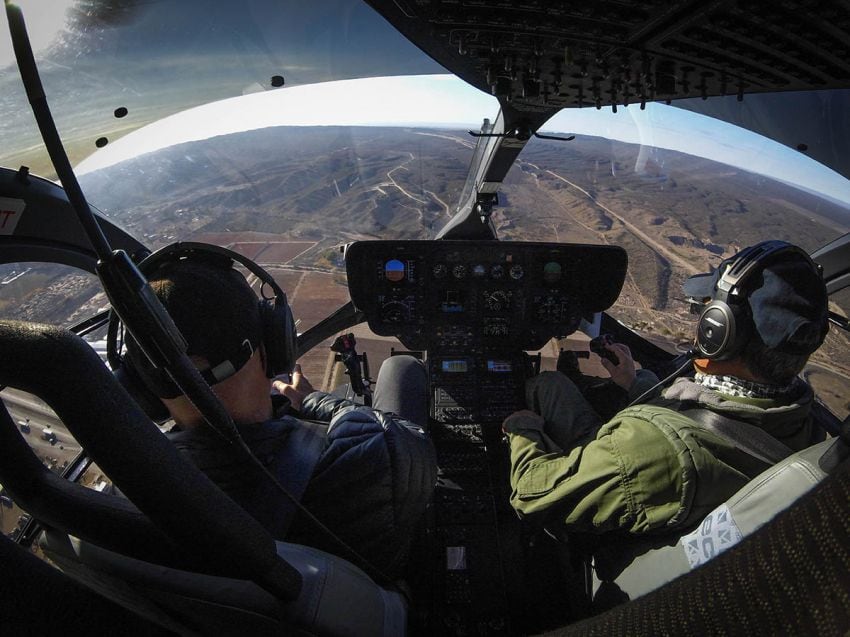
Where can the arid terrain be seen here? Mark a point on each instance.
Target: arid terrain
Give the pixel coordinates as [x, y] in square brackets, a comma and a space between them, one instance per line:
[290, 197]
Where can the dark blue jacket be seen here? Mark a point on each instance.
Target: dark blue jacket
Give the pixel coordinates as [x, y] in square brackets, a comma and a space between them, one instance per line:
[370, 487]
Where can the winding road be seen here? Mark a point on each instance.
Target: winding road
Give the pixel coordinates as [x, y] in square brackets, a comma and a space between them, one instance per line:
[656, 246]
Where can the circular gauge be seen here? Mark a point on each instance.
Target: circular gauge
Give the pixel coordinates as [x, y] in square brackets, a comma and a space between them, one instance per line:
[517, 272]
[395, 312]
[459, 271]
[440, 271]
[496, 301]
[497, 271]
[552, 272]
[478, 270]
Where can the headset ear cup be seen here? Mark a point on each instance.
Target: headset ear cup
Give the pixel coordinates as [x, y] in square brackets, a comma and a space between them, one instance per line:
[716, 331]
[723, 331]
[279, 338]
[744, 328]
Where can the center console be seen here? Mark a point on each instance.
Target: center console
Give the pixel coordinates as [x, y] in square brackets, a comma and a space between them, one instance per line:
[475, 308]
[472, 388]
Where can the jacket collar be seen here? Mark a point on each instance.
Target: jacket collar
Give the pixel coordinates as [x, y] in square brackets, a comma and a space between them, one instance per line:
[780, 418]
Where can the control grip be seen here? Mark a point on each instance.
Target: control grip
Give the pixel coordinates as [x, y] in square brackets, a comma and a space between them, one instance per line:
[597, 346]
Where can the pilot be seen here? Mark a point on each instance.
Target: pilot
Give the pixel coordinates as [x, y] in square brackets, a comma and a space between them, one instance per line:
[664, 464]
[375, 470]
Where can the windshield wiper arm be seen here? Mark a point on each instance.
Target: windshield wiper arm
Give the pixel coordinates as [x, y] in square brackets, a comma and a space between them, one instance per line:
[47, 127]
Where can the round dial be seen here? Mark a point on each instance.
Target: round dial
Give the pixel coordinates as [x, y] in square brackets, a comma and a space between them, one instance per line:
[395, 312]
[517, 272]
[497, 271]
[497, 300]
[459, 271]
[440, 271]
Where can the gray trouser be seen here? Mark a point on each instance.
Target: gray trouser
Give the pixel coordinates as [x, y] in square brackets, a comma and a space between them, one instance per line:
[570, 420]
[402, 388]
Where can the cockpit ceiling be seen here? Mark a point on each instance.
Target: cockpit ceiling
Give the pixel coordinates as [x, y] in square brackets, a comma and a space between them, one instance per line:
[542, 56]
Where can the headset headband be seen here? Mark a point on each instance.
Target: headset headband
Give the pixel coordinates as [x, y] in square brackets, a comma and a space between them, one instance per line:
[726, 322]
[750, 261]
[185, 249]
[225, 258]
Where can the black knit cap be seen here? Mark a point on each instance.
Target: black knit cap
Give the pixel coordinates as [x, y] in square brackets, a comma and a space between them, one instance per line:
[787, 300]
[216, 311]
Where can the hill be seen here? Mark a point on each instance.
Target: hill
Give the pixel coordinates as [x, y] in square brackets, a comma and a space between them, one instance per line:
[318, 187]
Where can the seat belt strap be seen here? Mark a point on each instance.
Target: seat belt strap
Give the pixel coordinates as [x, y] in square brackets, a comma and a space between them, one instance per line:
[746, 437]
[295, 464]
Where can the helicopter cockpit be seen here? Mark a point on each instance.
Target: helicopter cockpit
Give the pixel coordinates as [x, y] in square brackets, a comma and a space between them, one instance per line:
[483, 186]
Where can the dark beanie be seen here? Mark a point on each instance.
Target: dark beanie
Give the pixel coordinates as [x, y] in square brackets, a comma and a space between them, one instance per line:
[787, 301]
[213, 307]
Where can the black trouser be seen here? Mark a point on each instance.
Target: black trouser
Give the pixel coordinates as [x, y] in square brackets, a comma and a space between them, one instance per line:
[402, 388]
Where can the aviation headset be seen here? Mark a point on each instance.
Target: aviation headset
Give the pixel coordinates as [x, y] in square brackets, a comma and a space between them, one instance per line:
[277, 327]
[725, 324]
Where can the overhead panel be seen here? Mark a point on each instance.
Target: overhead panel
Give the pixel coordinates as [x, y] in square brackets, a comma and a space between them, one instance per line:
[539, 55]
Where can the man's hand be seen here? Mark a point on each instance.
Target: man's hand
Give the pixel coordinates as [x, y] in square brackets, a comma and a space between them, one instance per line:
[624, 372]
[297, 389]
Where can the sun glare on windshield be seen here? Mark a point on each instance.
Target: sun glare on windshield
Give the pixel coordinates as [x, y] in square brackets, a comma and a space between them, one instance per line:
[436, 101]
[44, 24]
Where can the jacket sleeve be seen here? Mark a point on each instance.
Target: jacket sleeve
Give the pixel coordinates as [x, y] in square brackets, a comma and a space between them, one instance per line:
[643, 382]
[323, 407]
[374, 480]
[628, 478]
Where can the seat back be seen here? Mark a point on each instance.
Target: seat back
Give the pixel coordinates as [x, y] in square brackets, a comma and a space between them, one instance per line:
[188, 558]
[647, 566]
[336, 598]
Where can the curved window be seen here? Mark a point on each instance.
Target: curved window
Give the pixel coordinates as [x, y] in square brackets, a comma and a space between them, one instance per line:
[680, 192]
[59, 295]
[49, 293]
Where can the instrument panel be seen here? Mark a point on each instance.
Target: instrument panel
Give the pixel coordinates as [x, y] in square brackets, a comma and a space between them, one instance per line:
[465, 295]
[475, 307]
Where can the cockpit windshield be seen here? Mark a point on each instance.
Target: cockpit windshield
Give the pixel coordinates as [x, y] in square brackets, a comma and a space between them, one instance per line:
[186, 122]
[112, 67]
[284, 133]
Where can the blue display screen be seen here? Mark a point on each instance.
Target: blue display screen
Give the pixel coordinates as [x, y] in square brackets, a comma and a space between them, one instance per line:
[499, 367]
[454, 366]
[452, 302]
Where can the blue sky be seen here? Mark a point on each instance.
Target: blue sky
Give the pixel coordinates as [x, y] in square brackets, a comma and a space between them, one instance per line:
[446, 102]
[164, 56]
[673, 128]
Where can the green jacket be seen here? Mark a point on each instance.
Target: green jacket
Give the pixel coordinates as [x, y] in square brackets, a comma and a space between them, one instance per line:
[649, 469]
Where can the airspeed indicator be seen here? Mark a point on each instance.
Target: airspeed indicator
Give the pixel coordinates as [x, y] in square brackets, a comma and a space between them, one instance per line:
[397, 310]
[497, 301]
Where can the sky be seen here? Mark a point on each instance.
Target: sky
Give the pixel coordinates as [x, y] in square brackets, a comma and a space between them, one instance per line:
[426, 100]
[42, 28]
[443, 101]
[673, 128]
[432, 101]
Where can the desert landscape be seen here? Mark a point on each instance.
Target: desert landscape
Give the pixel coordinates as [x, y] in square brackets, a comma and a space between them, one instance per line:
[290, 197]
[675, 214]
